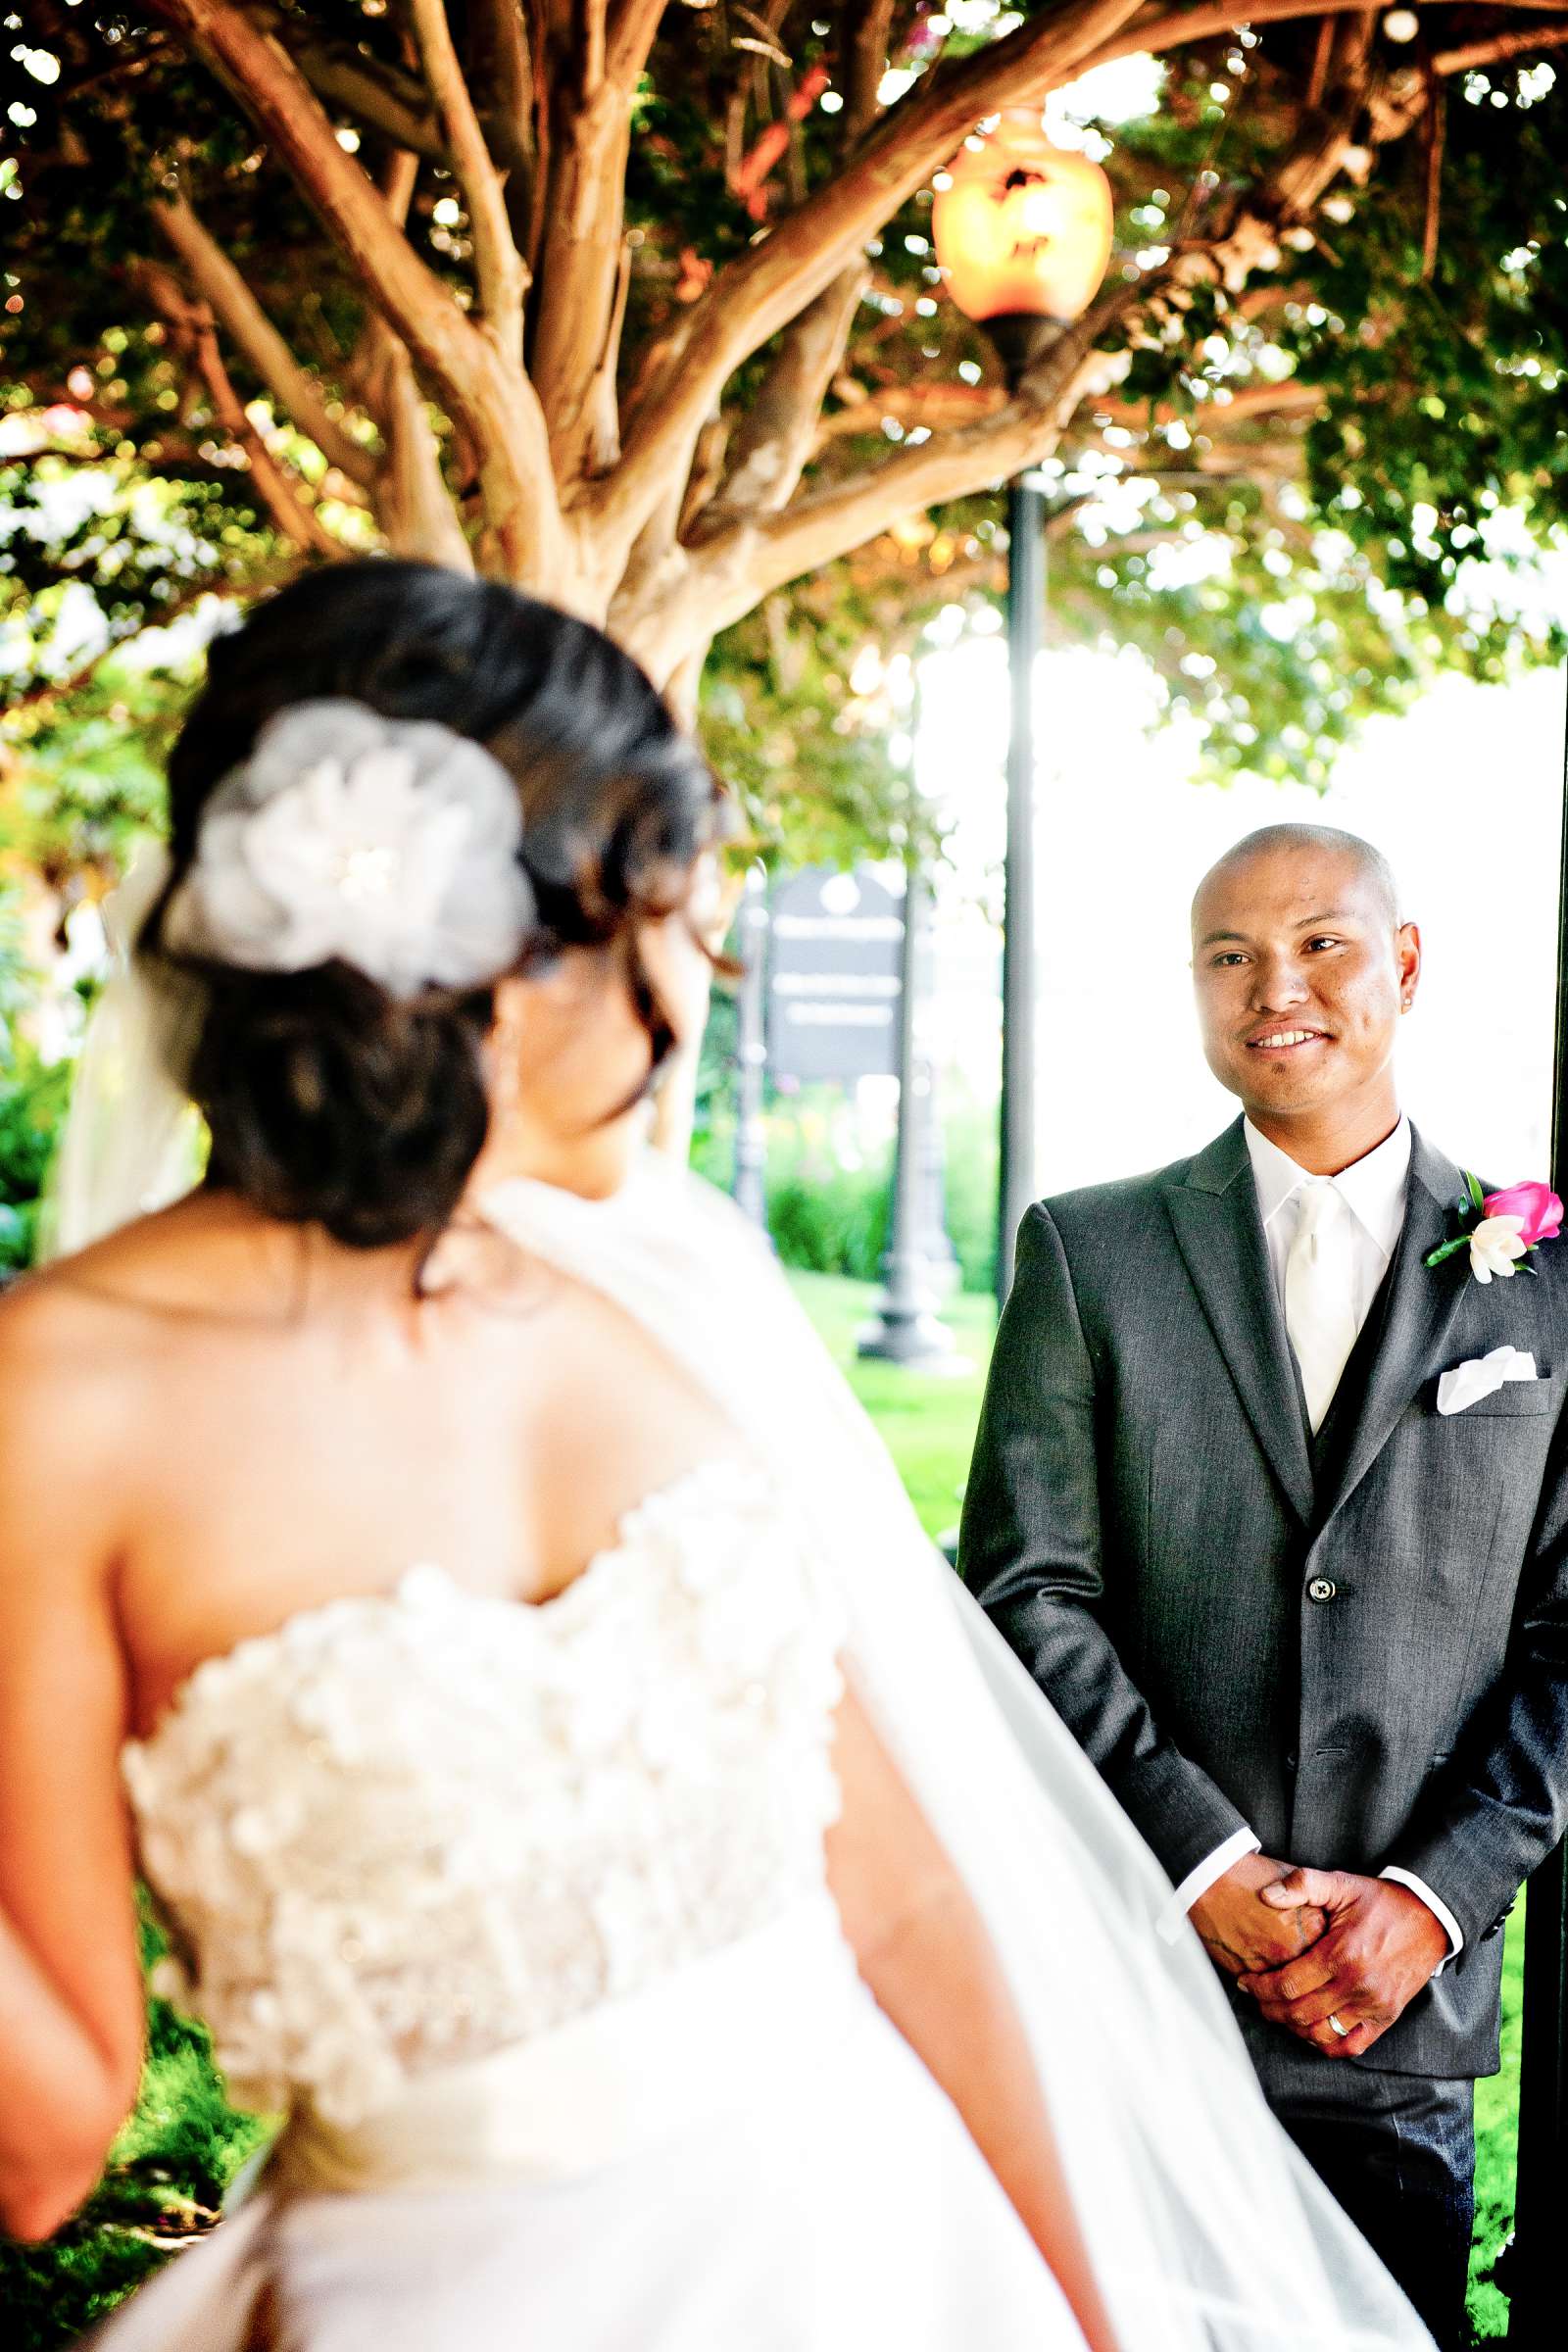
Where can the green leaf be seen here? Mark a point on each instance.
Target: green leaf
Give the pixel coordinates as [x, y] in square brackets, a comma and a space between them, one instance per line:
[1445, 1250]
[1477, 1198]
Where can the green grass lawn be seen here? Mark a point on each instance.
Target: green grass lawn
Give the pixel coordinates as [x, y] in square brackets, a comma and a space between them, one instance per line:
[928, 1424]
[184, 2145]
[1497, 2144]
[927, 1420]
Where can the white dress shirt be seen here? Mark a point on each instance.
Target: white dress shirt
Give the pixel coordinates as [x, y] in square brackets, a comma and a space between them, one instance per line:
[1374, 1192]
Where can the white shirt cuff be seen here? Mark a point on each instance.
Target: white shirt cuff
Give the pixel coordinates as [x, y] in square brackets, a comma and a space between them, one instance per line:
[1440, 1911]
[1199, 1881]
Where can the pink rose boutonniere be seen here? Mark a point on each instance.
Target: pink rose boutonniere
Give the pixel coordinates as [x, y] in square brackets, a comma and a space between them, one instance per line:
[1501, 1229]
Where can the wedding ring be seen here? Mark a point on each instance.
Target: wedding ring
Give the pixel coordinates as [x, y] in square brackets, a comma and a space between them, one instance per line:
[1344, 2031]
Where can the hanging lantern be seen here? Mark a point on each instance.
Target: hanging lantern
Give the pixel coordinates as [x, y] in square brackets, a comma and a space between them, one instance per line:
[1023, 234]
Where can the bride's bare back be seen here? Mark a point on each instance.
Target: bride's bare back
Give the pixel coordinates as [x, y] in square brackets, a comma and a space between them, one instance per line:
[253, 1421]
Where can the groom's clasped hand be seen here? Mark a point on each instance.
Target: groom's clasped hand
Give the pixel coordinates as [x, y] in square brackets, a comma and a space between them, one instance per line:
[1315, 1946]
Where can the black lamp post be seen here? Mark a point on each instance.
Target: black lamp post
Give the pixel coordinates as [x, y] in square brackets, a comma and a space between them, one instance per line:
[1026, 625]
[751, 1052]
[907, 1328]
[1023, 234]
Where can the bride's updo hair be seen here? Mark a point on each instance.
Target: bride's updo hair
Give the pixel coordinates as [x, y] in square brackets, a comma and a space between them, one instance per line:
[329, 1099]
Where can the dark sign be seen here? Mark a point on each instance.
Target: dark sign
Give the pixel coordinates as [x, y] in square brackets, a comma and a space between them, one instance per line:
[833, 993]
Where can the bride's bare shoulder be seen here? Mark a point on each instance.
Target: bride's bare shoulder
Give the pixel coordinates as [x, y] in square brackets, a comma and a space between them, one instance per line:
[86, 1347]
[117, 1294]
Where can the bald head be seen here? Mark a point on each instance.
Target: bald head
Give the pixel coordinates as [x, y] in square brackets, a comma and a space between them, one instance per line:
[1371, 868]
[1303, 969]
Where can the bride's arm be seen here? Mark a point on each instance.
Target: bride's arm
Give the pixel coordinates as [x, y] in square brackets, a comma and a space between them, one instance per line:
[924, 1950]
[70, 1995]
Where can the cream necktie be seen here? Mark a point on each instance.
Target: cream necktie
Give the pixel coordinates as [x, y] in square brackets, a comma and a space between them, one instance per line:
[1320, 1294]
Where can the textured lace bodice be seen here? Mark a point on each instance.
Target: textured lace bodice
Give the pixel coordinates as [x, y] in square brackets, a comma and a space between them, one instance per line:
[414, 1828]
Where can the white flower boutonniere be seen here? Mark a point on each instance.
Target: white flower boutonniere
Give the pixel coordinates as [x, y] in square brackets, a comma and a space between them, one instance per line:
[1501, 1229]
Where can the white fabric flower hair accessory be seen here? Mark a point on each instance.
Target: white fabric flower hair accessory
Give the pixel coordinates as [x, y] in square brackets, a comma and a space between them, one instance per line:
[390, 843]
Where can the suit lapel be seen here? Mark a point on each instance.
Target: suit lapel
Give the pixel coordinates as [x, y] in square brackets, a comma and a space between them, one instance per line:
[1213, 1212]
[1404, 1334]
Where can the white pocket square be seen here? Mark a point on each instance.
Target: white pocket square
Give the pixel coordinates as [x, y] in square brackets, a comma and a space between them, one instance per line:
[1467, 1383]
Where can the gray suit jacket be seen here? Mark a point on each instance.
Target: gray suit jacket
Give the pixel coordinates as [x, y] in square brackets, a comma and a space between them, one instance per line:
[1357, 1644]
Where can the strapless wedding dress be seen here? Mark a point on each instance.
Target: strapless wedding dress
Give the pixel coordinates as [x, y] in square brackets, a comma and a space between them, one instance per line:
[518, 1914]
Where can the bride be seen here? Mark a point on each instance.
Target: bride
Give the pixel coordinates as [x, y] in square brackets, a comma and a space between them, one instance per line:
[435, 1553]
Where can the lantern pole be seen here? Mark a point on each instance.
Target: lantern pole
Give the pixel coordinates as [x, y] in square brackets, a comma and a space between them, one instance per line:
[1024, 231]
[1026, 620]
[751, 1053]
[907, 1328]
[1533, 2269]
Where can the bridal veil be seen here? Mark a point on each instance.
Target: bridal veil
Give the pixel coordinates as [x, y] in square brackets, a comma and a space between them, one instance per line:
[1206, 2229]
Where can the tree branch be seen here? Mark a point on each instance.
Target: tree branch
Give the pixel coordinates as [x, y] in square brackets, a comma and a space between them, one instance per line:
[776, 437]
[602, 405]
[1326, 139]
[755, 556]
[1292, 396]
[489, 397]
[939, 406]
[413, 505]
[772, 281]
[498, 265]
[576, 328]
[772, 445]
[1157, 27]
[866, 57]
[630, 29]
[727, 576]
[704, 480]
[1498, 50]
[827, 523]
[1436, 139]
[219, 284]
[399, 177]
[1322, 51]
[416, 511]
[582, 26]
[501, 68]
[388, 101]
[194, 328]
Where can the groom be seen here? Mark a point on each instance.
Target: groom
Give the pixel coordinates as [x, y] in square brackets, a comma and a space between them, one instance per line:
[1311, 1626]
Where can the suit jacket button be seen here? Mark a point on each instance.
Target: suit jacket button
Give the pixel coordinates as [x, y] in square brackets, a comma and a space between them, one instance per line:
[1321, 1589]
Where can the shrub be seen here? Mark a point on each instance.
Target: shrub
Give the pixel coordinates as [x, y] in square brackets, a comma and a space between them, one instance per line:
[829, 1209]
[33, 1096]
[969, 1182]
[32, 1104]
